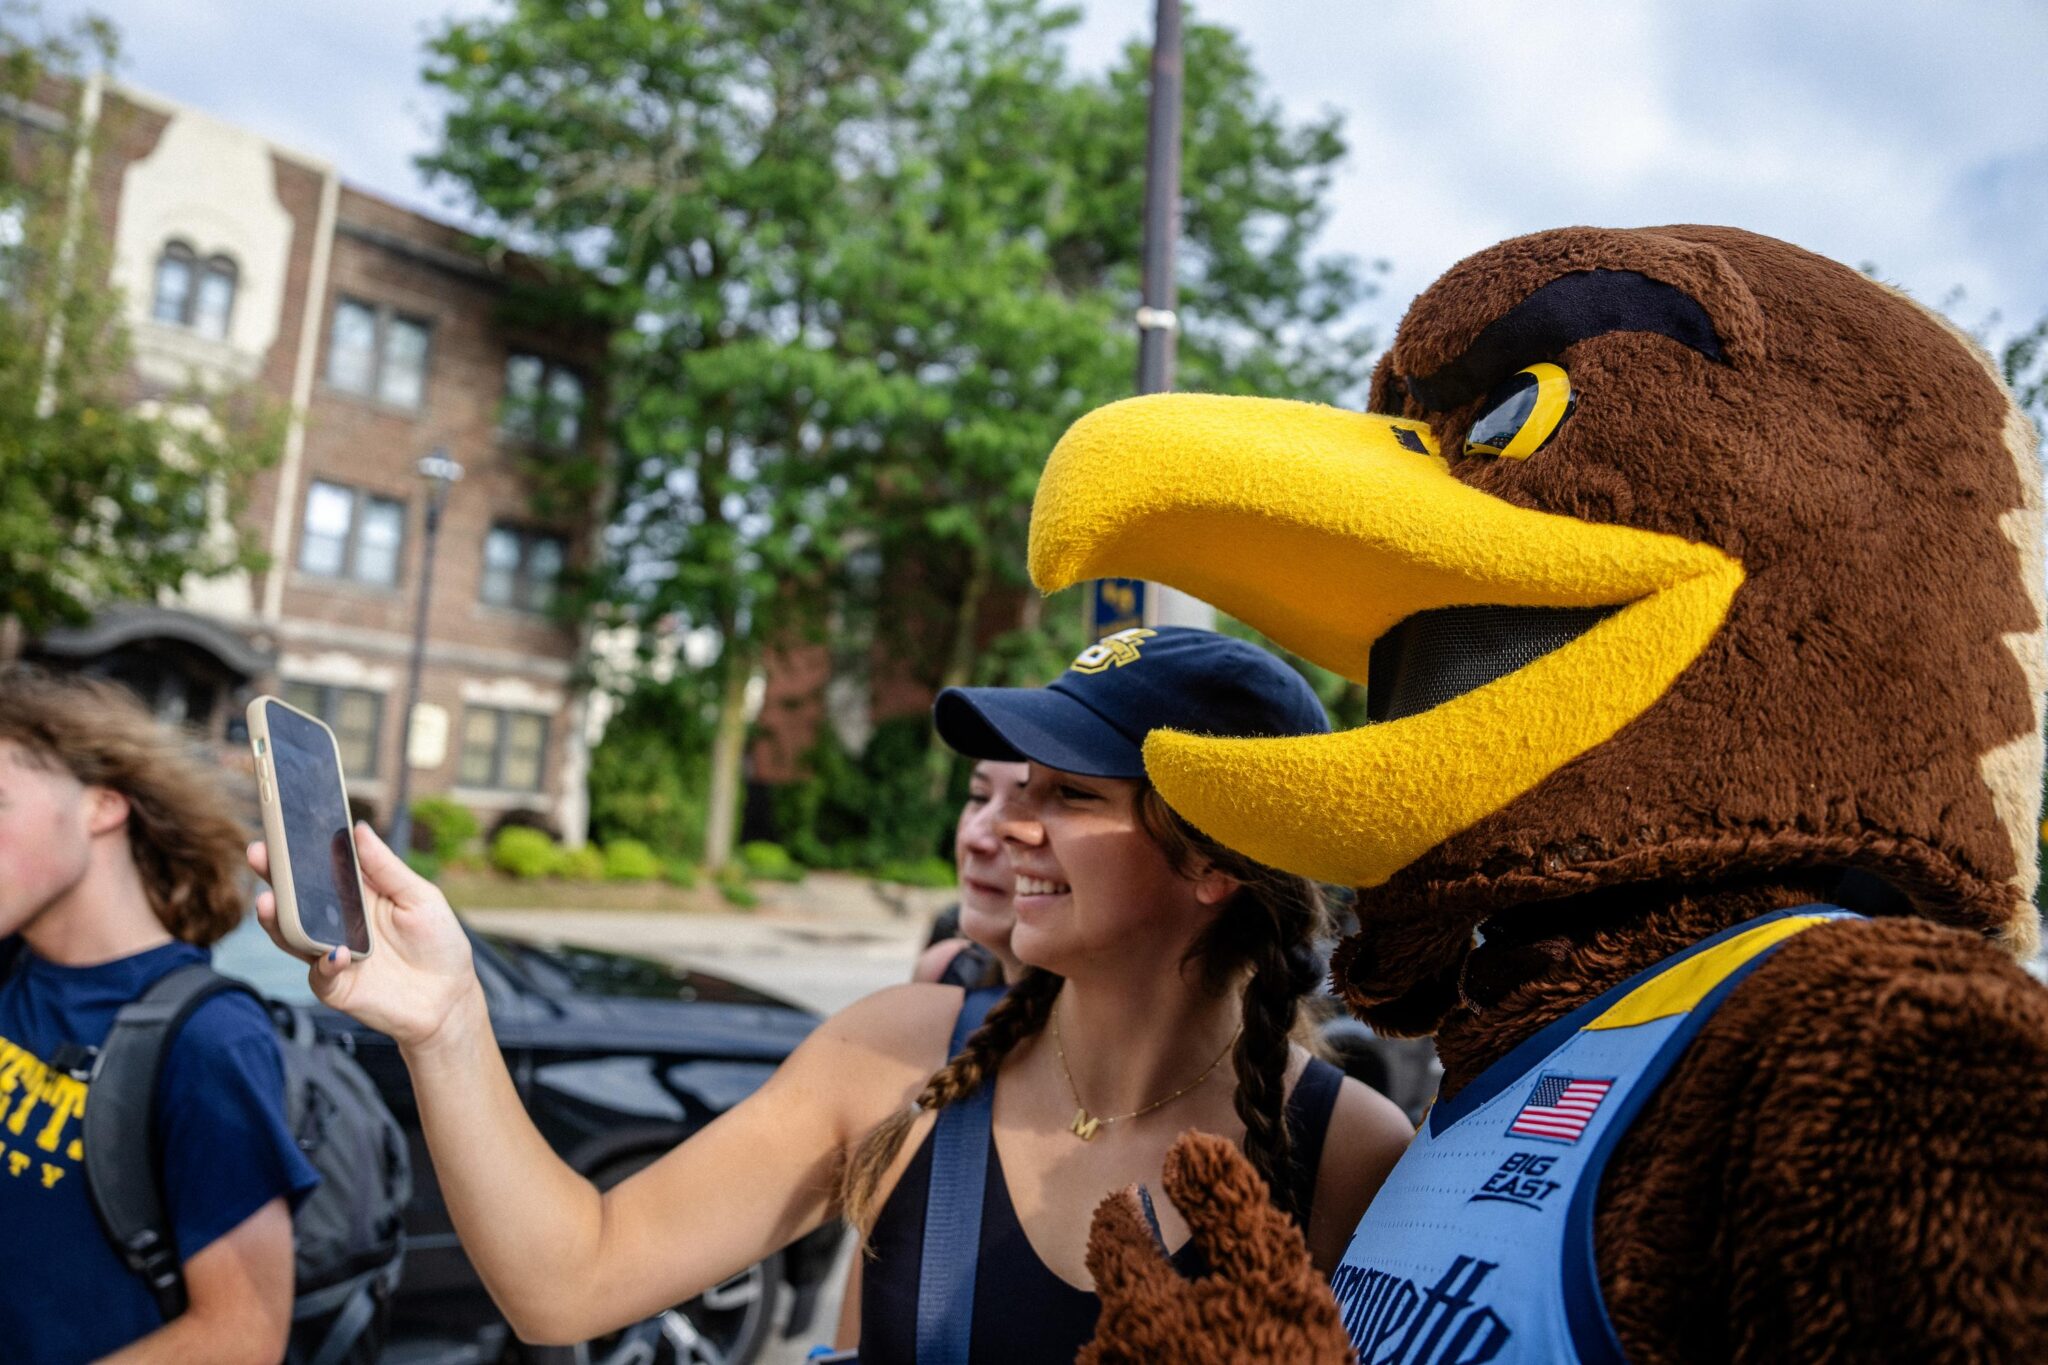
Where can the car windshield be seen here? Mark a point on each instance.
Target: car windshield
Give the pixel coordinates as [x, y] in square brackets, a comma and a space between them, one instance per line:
[567, 969]
[247, 954]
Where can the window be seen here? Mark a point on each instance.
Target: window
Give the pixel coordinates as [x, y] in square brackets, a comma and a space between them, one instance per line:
[402, 378]
[352, 350]
[351, 534]
[521, 568]
[215, 300]
[189, 293]
[503, 749]
[13, 245]
[378, 353]
[173, 283]
[543, 401]
[356, 716]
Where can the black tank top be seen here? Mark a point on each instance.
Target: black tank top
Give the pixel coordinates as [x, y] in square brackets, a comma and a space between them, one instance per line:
[1022, 1311]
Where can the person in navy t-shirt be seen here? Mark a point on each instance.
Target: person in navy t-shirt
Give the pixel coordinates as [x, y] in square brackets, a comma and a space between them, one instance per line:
[119, 862]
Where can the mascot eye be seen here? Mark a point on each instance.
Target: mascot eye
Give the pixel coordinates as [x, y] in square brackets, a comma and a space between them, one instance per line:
[1522, 413]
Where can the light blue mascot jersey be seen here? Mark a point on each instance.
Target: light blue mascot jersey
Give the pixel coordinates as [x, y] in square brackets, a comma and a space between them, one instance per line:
[1480, 1245]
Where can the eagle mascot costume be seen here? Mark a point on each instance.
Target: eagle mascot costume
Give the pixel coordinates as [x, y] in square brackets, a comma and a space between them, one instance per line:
[1696, 585]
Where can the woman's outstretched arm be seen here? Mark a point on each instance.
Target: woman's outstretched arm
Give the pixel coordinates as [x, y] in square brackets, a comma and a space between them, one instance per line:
[562, 1261]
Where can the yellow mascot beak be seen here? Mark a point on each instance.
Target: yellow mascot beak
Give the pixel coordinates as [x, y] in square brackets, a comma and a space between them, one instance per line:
[1324, 529]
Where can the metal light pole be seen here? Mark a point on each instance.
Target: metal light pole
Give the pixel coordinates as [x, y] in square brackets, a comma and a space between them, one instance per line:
[441, 473]
[1116, 603]
[1158, 327]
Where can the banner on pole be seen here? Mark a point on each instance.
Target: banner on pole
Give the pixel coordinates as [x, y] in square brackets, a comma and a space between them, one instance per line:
[1115, 604]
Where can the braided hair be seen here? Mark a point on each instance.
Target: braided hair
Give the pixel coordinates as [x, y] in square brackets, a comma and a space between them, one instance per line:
[1266, 934]
[1268, 927]
[1021, 1013]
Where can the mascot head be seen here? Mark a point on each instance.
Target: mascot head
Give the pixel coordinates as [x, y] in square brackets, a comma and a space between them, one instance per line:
[1665, 555]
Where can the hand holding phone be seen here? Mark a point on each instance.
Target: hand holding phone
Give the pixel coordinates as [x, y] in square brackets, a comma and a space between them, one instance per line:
[306, 825]
[421, 974]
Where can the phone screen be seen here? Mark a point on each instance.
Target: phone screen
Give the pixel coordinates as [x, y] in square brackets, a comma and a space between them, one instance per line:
[317, 833]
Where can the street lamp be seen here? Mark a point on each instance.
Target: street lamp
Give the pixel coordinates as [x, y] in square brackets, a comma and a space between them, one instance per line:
[1117, 603]
[441, 473]
[1158, 324]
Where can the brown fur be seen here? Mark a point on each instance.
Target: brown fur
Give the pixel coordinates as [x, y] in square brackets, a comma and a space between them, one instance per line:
[1835, 1170]
[1851, 1163]
[1851, 1160]
[1857, 467]
[1264, 1301]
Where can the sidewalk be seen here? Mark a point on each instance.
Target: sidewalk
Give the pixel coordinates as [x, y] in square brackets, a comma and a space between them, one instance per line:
[822, 943]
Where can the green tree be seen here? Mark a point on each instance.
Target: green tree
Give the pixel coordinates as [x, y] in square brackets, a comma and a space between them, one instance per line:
[2023, 360]
[648, 774]
[866, 262]
[102, 497]
[996, 278]
[685, 163]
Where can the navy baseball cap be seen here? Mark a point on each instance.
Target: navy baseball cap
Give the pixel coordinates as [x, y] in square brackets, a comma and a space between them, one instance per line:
[1093, 718]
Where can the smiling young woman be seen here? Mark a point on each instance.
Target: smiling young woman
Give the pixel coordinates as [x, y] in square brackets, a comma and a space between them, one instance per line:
[979, 953]
[1167, 972]
[1161, 979]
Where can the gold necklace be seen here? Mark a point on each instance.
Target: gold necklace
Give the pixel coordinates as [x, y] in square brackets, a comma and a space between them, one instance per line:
[1085, 1124]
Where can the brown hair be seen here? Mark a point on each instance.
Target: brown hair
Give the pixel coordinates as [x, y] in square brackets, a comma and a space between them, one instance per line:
[182, 833]
[1269, 927]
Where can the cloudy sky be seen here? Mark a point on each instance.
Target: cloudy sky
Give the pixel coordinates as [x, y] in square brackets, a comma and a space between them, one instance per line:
[1911, 135]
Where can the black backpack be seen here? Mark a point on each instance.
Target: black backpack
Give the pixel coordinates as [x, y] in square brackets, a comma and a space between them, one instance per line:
[349, 1234]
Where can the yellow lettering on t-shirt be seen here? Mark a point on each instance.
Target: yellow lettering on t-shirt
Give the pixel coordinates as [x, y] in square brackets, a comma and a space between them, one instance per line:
[29, 1080]
[26, 1081]
[66, 1098]
[21, 1072]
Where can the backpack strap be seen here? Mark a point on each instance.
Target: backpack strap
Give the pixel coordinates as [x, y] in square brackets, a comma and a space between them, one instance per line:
[952, 1210]
[358, 1308]
[122, 1163]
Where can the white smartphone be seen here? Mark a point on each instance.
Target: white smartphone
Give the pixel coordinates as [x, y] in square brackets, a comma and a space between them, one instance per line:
[306, 826]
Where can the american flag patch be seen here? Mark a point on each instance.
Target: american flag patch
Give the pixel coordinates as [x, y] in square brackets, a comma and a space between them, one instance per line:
[1559, 1108]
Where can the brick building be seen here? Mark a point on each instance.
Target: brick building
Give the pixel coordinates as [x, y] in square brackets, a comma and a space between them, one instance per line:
[384, 338]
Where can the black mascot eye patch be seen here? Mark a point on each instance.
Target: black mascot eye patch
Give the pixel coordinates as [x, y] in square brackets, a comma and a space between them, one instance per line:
[1569, 309]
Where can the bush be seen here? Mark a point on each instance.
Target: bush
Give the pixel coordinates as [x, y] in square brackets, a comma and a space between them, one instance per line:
[679, 872]
[426, 864]
[916, 871]
[736, 892]
[442, 827]
[585, 864]
[524, 819]
[651, 772]
[629, 860]
[525, 853]
[769, 862]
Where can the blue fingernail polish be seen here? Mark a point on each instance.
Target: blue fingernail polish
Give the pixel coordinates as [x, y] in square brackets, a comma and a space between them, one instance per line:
[333, 954]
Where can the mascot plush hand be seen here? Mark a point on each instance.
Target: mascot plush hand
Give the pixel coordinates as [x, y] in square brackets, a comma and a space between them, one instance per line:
[1696, 585]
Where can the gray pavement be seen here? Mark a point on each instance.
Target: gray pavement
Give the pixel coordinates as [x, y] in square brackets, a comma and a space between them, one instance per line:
[822, 945]
[824, 962]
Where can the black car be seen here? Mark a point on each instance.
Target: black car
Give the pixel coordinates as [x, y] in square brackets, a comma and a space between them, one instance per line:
[617, 1058]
